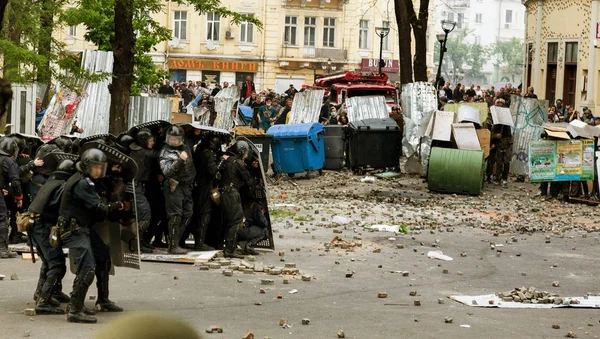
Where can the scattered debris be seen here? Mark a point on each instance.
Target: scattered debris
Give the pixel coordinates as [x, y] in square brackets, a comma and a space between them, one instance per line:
[438, 255]
[279, 295]
[555, 284]
[341, 334]
[2, 277]
[27, 334]
[384, 228]
[340, 220]
[412, 293]
[448, 320]
[571, 335]
[228, 273]
[306, 278]
[267, 282]
[14, 276]
[368, 179]
[305, 321]
[262, 291]
[214, 329]
[30, 312]
[293, 291]
[417, 303]
[382, 295]
[556, 326]
[248, 335]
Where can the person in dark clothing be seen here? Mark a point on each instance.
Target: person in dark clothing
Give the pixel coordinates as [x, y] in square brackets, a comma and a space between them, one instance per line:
[471, 91]
[235, 175]
[9, 180]
[448, 91]
[166, 89]
[290, 92]
[281, 117]
[187, 95]
[530, 93]
[177, 166]
[80, 208]
[247, 88]
[458, 94]
[255, 228]
[45, 206]
[207, 174]
[215, 90]
[143, 153]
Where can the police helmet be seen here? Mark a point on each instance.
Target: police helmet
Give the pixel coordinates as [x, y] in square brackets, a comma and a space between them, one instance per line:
[242, 149]
[142, 137]
[91, 158]
[65, 144]
[175, 136]
[214, 143]
[66, 165]
[9, 147]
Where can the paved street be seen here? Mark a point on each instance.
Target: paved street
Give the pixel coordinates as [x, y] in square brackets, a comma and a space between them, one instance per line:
[455, 224]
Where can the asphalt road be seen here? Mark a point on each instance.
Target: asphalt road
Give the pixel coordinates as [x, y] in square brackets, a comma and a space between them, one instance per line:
[333, 302]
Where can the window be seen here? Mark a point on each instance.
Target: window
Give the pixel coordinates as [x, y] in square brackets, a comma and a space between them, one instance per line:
[72, 31]
[386, 39]
[461, 18]
[291, 28]
[246, 31]
[450, 16]
[508, 18]
[329, 32]
[180, 25]
[552, 52]
[213, 21]
[310, 31]
[363, 34]
[477, 40]
[478, 18]
[571, 51]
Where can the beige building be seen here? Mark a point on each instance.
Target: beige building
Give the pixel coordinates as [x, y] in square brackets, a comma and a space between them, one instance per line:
[300, 40]
[561, 41]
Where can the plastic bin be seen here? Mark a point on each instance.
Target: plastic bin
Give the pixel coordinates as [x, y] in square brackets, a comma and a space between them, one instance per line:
[374, 143]
[297, 148]
[334, 147]
[456, 171]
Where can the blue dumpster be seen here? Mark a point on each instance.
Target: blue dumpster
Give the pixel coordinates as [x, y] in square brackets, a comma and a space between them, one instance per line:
[297, 148]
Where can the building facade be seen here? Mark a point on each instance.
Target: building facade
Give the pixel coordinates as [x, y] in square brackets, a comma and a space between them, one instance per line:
[485, 22]
[561, 43]
[300, 40]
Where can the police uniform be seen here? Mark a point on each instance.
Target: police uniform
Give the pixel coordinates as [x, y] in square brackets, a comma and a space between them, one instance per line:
[234, 176]
[143, 157]
[205, 160]
[177, 188]
[45, 207]
[255, 228]
[9, 179]
[80, 208]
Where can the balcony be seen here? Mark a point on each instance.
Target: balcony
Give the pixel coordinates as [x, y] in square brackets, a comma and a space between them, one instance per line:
[459, 3]
[328, 53]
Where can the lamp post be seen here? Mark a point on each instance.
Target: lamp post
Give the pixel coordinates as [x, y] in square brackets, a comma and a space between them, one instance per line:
[328, 68]
[447, 26]
[381, 32]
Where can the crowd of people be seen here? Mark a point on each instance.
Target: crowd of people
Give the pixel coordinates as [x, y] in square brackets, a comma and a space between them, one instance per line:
[184, 184]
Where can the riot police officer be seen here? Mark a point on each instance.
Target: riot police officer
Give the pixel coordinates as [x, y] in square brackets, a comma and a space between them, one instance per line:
[80, 208]
[9, 177]
[234, 176]
[45, 208]
[143, 154]
[207, 166]
[177, 166]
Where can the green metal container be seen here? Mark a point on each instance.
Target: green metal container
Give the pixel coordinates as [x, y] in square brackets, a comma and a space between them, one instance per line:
[456, 171]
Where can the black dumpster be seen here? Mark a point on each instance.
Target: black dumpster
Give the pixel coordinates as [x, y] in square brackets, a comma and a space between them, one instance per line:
[374, 143]
[334, 147]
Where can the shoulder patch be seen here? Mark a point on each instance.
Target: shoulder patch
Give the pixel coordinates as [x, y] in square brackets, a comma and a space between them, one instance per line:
[90, 181]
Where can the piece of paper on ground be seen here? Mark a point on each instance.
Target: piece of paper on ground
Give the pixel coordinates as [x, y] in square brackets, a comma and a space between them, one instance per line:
[484, 301]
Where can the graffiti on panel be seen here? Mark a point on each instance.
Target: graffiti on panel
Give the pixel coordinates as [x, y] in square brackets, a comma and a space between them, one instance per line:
[529, 115]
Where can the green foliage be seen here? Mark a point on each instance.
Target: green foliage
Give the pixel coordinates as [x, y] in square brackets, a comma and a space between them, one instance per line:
[461, 58]
[509, 56]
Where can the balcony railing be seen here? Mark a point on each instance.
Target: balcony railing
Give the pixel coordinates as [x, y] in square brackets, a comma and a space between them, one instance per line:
[459, 3]
[330, 53]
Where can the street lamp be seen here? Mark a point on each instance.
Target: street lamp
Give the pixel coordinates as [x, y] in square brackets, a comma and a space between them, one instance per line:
[328, 68]
[381, 32]
[447, 27]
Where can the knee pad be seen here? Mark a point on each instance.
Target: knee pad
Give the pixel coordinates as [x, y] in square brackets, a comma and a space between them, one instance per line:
[87, 277]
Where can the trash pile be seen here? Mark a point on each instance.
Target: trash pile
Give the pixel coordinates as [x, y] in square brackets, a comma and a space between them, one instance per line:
[532, 296]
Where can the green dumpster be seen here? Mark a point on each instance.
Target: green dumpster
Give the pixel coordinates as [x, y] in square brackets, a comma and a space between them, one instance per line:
[456, 171]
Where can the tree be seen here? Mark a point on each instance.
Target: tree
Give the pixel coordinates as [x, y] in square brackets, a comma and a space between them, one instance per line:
[462, 59]
[112, 25]
[409, 20]
[509, 56]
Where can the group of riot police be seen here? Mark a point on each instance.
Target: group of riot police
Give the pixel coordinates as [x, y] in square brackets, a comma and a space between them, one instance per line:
[70, 186]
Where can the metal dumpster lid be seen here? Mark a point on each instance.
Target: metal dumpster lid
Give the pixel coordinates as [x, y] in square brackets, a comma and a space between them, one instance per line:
[295, 130]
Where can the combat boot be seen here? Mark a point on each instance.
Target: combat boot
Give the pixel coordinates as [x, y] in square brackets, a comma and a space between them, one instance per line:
[104, 304]
[5, 253]
[200, 235]
[145, 247]
[45, 303]
[76, 304]
[249, 246]
[175, 235]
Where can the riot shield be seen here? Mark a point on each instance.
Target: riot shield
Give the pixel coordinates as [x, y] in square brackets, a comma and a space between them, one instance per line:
[260, 195]
[32, 142]
[107, 138]
[158, 128]
[119, 231]
[52, 160]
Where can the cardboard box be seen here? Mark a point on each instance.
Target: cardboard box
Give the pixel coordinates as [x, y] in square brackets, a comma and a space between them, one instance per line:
[181, 118]
[484, 136]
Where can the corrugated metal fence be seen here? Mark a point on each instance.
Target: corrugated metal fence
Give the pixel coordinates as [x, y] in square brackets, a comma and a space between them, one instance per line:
[145, 109]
